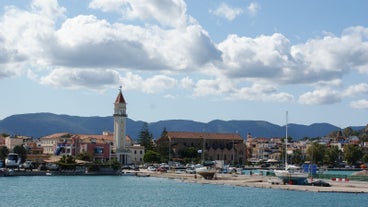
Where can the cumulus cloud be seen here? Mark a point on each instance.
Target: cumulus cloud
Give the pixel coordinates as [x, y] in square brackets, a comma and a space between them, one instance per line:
[360, 104]
[154, 84]
[261, 57]
[225, 11]
[167, 12]
[320, 96]
[262, 92]
[358, 89]
[73, 51]
[77, 78]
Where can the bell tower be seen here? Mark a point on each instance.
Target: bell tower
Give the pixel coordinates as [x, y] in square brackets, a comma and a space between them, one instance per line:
[120, 127]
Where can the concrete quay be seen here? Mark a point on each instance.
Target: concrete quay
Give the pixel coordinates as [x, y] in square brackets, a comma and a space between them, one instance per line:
[264, 182]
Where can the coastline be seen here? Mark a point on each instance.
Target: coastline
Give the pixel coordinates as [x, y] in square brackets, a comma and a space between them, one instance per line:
[255, 181]
[263, 182]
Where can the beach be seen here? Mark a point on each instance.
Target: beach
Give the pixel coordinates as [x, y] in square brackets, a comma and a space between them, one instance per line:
[259, 181]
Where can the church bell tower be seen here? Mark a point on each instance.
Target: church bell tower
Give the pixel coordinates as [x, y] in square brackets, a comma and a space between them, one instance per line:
[120, 127]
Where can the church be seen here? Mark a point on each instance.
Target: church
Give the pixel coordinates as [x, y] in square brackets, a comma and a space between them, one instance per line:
[103, 147]
[125, 153]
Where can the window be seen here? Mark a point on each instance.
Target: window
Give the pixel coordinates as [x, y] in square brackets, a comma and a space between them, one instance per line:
[99, 150]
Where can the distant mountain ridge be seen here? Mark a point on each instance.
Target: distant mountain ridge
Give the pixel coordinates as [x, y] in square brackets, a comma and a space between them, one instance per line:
[41, 124]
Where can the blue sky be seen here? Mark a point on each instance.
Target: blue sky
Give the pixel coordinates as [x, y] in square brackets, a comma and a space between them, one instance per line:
[196, 60]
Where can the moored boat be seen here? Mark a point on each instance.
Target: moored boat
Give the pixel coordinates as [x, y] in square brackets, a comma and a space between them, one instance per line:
[291, 174]
[206, 172]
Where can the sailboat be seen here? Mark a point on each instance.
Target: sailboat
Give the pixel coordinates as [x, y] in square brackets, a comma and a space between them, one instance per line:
[291, 174]
[207, 171]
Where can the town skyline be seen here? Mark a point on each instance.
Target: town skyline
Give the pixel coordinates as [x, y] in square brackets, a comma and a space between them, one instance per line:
[189, 60]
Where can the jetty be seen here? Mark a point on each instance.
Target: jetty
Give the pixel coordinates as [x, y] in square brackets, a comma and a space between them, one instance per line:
[339, 186]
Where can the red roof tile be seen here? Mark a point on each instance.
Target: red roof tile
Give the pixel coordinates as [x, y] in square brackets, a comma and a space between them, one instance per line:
[120, 98]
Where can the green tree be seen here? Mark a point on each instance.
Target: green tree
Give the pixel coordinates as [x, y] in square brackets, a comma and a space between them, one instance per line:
[348, 131]
[332, 154]
[316, 153]
[352, 153]
[297, 157]
[151, 156]
[67, 162]
[145, 137]
[115, 164]
[365, 158]
[4, 151]
[21, 151]
[163, 147]
[190, 154]
[85, 156]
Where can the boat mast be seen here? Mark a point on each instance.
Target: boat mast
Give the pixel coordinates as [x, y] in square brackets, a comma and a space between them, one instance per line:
[286, 140]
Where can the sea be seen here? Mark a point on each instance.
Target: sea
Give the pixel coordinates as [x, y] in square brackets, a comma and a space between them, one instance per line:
[111, 191]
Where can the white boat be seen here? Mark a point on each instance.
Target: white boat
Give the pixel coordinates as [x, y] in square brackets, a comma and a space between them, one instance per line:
[291, 174]
[206, 172]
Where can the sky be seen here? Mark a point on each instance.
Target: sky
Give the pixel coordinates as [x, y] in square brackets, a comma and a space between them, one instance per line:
[195, 60]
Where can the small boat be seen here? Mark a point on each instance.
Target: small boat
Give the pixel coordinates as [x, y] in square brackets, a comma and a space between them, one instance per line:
[291, 174]
[143, 175]
[206, 172]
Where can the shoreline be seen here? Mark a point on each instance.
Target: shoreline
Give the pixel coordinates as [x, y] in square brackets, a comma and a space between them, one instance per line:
[255, 181]
[263, 182]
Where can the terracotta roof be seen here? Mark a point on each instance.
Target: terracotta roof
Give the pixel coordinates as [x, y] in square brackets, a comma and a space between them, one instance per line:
[120, 98]
[56, 135]
[204, 135]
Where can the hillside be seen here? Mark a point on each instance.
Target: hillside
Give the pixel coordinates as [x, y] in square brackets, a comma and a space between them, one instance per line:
[41, 124]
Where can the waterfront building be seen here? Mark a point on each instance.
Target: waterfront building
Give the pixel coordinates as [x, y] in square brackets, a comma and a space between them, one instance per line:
[228, 147]
[11, 142]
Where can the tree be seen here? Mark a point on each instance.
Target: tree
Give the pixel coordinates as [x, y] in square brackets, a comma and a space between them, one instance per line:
[332, 154]
[348, 131]
[145, 137]
[297, 157]
[115, 164]
[151, 156]
[365, 158]
[85, 156]
[67, 162]
[352, 153]
[163, 147]
[21, 151]
[4, 151]
[316, 153]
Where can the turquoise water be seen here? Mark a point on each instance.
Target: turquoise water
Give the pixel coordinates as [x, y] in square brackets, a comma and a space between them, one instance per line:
[336, 172]
[137, 191]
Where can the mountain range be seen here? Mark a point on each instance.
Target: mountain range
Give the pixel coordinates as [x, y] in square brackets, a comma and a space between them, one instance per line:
[41, 124]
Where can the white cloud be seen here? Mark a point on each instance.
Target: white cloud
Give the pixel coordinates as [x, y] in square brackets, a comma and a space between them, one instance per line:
[360, 104]
[227, 12]
[77, 78]
[43, 39]
[320, 96]
[261, 57]
[253, 8]
[187, 83]
[154, 84]
[358, 89]
[262, 92]
[166, 12]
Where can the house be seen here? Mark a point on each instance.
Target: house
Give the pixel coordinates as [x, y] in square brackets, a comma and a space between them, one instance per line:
[11, 142]
[100, 146]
